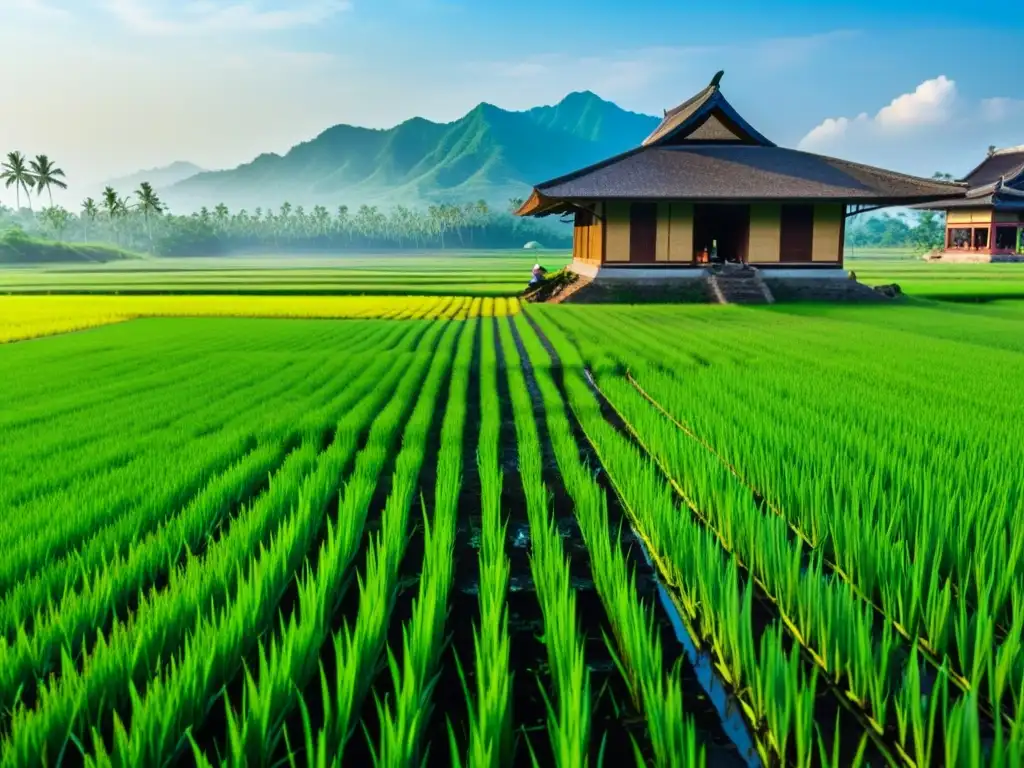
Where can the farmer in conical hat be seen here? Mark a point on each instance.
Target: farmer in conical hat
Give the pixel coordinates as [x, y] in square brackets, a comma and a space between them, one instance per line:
[538, 275]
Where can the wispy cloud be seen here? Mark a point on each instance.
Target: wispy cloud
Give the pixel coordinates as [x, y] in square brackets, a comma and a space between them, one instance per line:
[41, 8]
[166, 17]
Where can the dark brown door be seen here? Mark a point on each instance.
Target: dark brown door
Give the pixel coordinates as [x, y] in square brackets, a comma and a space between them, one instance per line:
[725, 226]
[796, 241]
[643, 232]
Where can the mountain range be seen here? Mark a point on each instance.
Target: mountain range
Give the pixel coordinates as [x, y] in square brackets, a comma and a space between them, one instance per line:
[161, 178]
[490, 153]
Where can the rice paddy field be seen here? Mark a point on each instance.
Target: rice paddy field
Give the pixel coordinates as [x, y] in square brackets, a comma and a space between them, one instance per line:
[396, 530]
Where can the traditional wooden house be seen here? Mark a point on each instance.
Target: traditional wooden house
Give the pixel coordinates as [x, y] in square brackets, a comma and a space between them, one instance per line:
[988, 223]
[707, 186]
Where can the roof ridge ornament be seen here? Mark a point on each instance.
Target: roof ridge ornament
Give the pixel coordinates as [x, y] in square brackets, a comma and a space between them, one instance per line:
[716, 79]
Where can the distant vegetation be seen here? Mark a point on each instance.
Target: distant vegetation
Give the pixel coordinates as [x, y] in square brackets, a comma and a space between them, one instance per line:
[917, 230]
[16, 247]
[140, 221]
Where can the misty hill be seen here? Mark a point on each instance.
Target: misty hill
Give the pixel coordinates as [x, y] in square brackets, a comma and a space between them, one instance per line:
[161, 178]
[490, 153]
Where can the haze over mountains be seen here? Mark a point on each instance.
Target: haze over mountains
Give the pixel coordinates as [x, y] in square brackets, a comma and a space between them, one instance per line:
[490, 153]
[160, 178]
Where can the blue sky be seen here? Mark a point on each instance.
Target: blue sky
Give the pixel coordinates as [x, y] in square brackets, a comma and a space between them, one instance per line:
[130, 84]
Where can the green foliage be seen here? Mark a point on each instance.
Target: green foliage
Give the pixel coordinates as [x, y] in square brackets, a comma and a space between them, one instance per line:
[17, 247]
[189, 552]
[920, 230]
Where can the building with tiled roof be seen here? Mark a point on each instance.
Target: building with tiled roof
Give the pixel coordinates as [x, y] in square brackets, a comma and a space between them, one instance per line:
[705, 185]
[987, 224]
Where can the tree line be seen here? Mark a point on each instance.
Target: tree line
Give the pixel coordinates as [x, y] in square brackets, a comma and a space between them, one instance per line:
[141, 221]
[919, 230]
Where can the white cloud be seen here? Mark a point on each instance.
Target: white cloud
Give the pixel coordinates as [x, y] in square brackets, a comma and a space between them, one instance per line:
[200, 16]
[932, 103]
[934, 127]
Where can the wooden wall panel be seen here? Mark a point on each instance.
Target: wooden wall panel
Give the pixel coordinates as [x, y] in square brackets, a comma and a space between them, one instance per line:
[765, 233]
[796, 238]
[643, 233]
[828, 221]
[661, 248]
[680, 228]
[616, 241]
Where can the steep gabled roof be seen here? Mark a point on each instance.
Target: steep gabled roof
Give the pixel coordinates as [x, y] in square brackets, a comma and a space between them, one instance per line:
[704, 150]
[997, 182]
[1001, 164]
[691, 118]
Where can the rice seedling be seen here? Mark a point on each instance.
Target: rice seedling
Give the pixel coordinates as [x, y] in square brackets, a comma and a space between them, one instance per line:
[568, 707]
[489, 711]
[72, 704]
[656, 691]
[829, 505]
[413, 673]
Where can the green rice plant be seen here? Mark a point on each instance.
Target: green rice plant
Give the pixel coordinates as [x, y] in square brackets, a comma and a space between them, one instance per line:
[678, 543]
[71, 706]
[81, 613]
[636, 646]
[862, 664]
[359, 646]
[910, 594]
[568, 708]
[404, 722]
[490, 713]
[292, 656]
[229, 424]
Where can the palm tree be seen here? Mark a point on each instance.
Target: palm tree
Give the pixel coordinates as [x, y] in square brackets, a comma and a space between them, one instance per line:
[89, 212]
[47, 175]
[16, 173]
[151, 205]
[112, 208]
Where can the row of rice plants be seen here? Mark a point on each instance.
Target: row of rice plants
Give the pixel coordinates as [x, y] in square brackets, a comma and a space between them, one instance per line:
[111, 584]
[568, 705]
[776, 695]
[944, 624]
[823, 614]
[258, 550]
[951, 442]
[290, 658]
[403, 720]
[656, 692]
[105, 551]
[90, 440]
[97, 424]
[162, 477]
[489, 710]
[878, 567]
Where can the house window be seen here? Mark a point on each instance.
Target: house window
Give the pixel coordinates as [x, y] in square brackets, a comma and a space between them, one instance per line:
[1006, 238]
[981, 237]
[959, 238]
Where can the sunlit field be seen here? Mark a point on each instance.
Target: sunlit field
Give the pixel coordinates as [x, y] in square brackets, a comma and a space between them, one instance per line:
[31, 316]
[487, 534]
